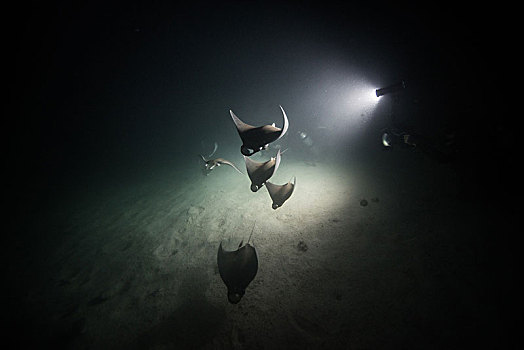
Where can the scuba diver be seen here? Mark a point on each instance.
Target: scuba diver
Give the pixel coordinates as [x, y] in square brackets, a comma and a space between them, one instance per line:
[443, 150]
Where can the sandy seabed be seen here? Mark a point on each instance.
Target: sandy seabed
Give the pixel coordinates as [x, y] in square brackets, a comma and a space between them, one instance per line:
[133, 266]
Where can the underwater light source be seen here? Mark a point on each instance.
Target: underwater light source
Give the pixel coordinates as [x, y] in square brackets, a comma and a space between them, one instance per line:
[390, 89]
[361, 98]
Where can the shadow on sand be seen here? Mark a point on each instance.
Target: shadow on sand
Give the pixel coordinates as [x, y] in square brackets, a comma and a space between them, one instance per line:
[192, 325]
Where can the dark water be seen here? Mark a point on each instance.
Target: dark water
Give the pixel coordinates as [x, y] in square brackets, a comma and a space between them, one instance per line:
[108, 97]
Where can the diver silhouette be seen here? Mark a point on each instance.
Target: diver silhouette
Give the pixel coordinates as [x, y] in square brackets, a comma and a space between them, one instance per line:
[442, 150]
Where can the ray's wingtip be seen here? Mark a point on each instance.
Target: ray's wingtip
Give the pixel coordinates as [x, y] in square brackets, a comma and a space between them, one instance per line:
[233, 115]
[286, 123]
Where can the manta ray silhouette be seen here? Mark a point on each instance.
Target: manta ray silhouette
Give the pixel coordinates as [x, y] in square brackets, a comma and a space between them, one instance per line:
[255, 139]
[237, 269]
[259, 173]
[280, 193]
[213, 163]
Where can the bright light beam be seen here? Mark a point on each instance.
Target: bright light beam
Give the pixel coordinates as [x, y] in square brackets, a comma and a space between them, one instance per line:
[362, 99]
